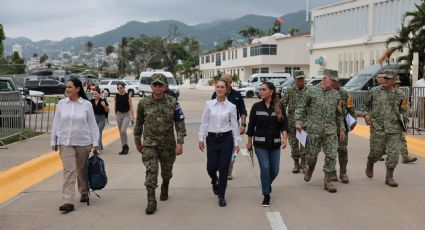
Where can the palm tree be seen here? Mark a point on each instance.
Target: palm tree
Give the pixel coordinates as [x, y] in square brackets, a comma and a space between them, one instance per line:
[411, 37]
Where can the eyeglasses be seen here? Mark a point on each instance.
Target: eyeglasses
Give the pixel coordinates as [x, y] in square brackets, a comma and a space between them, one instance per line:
[220, 87]
[157, 85]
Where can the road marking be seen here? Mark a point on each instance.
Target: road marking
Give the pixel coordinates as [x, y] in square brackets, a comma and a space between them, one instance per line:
[276, 221]
[21, 177]
[415, 145]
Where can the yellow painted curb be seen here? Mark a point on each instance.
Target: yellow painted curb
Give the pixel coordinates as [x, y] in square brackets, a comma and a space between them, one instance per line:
[16, 179]
[415, 145]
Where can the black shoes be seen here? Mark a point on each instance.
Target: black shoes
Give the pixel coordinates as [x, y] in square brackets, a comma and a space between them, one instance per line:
[124, 150]
[266, 201]
[222, 202]
[84, 198]
[66, 208]
[215, 189]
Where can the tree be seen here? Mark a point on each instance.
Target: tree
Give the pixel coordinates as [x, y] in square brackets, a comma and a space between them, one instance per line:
[109, 50]
[411, 36]
[2, 38]
[43, 58]
[250, 33]
[142, 50]
[292, 31]
[89, 46]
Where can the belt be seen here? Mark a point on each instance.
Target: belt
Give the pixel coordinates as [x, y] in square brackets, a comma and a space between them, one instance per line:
[219, 134]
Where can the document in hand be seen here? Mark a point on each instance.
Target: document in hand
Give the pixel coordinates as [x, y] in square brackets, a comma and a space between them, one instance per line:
[301, 137]
[350, 121]
[234, 155]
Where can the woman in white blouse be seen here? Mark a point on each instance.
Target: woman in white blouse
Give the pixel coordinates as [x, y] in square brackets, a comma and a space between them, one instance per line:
[220, 127]
[75, 132]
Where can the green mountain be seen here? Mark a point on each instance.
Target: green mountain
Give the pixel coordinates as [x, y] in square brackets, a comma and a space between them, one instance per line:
[208, 34]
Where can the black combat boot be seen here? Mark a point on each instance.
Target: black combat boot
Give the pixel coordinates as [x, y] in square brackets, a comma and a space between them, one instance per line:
[151, 208]
[124, 150]
[164, 191]
[369, 169]
[343, 172]
[328, 185]
[309, 173]
[297, 167]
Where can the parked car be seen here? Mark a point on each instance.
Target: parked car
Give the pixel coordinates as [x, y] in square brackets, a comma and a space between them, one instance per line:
[366, 78]
[46, 86]
[247, 92]
[258, 78]
[343, 81]
[286, 85]
[110, 87]
[145, 82]
[313, 81]
[277, 82]
[34, 100]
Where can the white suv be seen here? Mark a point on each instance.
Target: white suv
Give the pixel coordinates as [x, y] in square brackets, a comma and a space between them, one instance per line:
[110, 87]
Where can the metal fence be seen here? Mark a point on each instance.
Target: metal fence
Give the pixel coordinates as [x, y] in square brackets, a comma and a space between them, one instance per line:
[11, 115]
[40, 118]
[418, 109]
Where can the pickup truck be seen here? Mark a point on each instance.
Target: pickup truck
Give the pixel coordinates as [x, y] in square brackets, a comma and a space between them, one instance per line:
[34, 100]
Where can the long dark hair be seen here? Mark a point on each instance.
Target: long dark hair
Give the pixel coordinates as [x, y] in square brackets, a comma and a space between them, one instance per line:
[277, 106]
[77, 83]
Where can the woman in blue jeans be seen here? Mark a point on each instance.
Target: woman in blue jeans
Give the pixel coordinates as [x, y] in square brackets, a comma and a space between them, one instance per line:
[267, 133]
[101, 110]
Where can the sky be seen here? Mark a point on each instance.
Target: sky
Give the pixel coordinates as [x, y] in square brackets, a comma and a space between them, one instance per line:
[58, 19]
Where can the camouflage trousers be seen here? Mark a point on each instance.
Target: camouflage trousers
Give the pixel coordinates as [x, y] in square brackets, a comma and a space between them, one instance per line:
[343, 151]
[166, 157]
[329, 144]
[390, 144]
[296, 149]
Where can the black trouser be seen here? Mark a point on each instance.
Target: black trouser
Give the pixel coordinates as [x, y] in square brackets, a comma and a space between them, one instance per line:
[219, 154]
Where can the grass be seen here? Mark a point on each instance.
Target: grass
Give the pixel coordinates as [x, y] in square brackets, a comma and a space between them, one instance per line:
[54, 100]
[16, 138]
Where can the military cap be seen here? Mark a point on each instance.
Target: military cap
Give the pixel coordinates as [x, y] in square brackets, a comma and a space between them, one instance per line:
[333, 74]
[299, 74]
[389, 73]
[159, 78]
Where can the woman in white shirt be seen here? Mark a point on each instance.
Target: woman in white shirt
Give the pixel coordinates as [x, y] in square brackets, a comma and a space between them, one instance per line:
[220, 127]
[75, 132]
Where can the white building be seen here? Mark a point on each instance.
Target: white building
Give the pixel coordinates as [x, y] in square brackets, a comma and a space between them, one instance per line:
[17, 48]
[276, 53]
[349, 35]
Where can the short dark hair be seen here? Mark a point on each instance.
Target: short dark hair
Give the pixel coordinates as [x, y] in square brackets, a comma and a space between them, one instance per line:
[121, 84]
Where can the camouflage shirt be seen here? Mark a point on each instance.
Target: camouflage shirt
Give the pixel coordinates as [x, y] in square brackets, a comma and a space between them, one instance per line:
[290, 101]
[156, 119]
[323, 111]
[384, 109]
[347, 104]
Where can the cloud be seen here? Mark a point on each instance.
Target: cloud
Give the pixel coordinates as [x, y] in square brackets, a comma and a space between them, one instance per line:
[57, 19]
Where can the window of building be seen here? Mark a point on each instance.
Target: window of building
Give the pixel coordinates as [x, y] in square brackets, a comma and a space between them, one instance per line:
[255, 70]
[212, 57]
[340, 66]
[245, 52]
[224, 56]
[207, 59]
[236, 55]
[218, 59]
[265, 70]
[288, 70]
[233, 54]
[202, 60]
[362, 64]
[264, 49]
[228, 54]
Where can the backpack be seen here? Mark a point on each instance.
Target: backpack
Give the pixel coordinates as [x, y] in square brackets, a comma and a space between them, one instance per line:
[96, 177]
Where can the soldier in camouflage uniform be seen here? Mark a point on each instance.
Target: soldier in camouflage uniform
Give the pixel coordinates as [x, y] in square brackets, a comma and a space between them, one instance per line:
[405, 154]
[324, 117]
[290, 101]
[384, 110]
[156, 117]
[347, 108]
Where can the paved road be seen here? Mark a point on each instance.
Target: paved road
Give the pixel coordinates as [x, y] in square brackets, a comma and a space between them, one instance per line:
[362, 204]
